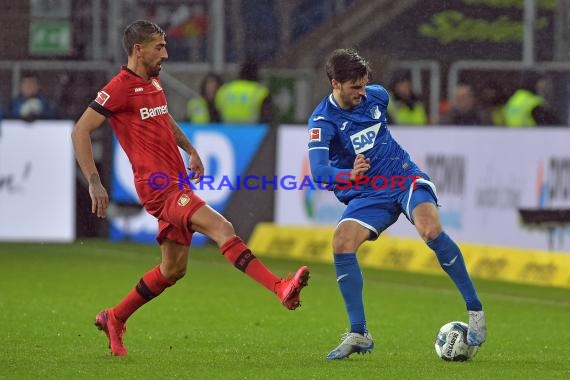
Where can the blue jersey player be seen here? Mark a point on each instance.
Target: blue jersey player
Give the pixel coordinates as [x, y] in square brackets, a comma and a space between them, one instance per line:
[351, 148]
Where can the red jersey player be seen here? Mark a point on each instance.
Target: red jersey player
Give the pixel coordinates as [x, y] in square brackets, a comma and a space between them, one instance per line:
[135, 104]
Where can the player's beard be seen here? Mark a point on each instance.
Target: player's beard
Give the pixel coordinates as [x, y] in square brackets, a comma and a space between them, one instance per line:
[349, 100]
[154, 70]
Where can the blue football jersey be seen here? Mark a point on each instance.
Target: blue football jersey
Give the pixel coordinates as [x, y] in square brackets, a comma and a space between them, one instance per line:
[360, 130]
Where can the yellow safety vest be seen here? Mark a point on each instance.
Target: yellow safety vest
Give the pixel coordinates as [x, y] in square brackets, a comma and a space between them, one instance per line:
[409, 116]
[518, 110]
[197, 111]
[240, 101]
[498, 116]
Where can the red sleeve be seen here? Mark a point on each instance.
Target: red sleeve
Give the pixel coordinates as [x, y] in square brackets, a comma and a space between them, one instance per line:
[110, 99]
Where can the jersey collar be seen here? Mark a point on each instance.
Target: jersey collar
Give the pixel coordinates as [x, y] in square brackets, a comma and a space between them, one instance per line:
[333, 101]
[130, 71]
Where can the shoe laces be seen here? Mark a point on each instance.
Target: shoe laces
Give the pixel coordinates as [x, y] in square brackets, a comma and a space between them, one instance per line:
[344, 335]
[475, 317]
[283, 282]
[347, 333]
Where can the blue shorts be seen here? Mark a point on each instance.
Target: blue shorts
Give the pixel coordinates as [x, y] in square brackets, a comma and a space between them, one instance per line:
[377, 214]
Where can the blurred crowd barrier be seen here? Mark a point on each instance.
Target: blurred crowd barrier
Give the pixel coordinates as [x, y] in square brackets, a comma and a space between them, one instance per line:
[484, 178]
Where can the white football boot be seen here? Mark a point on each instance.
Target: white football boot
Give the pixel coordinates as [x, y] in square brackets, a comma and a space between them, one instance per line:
[351, 343]
[477, 333]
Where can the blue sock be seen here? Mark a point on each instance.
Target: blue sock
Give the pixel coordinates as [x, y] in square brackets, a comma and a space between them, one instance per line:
[349, 278]
[451, 260]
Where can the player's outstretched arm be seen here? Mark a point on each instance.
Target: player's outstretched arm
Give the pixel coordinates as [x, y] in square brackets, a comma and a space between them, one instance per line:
[323, 172]
[81, 137]
[196, 166]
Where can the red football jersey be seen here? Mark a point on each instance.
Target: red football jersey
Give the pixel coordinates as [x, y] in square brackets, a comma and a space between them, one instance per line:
[138, 113]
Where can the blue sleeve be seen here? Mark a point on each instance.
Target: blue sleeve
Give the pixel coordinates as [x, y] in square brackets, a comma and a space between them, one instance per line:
[321, 134]
[321, 170]
[379, 93]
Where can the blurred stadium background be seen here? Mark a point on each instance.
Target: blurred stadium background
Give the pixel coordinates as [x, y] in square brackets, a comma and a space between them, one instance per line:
[505, 192]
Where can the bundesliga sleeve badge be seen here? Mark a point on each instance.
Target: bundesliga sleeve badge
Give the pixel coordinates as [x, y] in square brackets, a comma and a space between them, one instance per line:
[314, 134]
[102, 97]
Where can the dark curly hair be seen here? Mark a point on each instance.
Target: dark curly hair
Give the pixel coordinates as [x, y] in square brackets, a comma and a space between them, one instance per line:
[346, 65]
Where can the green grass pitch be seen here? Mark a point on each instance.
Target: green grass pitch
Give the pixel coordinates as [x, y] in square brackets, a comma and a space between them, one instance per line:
[217, 323]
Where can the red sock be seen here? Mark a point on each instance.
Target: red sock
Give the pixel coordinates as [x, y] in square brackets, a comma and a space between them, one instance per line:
[237, 253]
[150, 285]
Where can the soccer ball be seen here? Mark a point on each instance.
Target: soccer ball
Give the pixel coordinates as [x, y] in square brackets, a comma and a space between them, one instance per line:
[451, 342]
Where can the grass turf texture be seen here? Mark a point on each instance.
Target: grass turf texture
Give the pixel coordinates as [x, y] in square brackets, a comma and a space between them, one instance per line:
[218, 324]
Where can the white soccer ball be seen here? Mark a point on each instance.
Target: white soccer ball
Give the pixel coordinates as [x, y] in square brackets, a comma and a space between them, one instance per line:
[451, 342]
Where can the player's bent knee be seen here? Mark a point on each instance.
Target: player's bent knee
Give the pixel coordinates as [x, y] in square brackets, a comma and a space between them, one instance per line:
[429, 232]
[174, 273]
[343, 243]
[227, 228]
[224, 230]
[220, 231]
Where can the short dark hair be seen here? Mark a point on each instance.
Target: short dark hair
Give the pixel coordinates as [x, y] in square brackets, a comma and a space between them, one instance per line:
[249, 69]
[346, 65]
[139, 32]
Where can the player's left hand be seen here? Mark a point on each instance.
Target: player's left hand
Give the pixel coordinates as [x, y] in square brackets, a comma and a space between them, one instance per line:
[196, 167]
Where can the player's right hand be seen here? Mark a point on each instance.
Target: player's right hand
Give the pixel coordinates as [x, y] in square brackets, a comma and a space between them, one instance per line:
[99, 198]
[361, 165]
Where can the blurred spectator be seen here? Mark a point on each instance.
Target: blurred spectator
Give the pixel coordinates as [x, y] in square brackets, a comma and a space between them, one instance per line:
[186, 26]
[245, 100]
[405, 107]
[202, 109]
[30, 104]
[464, 110]
[493, 100]
[527, 106]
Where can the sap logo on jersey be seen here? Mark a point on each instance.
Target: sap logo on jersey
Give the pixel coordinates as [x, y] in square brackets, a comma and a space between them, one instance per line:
[364, 140]
[153, 112]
